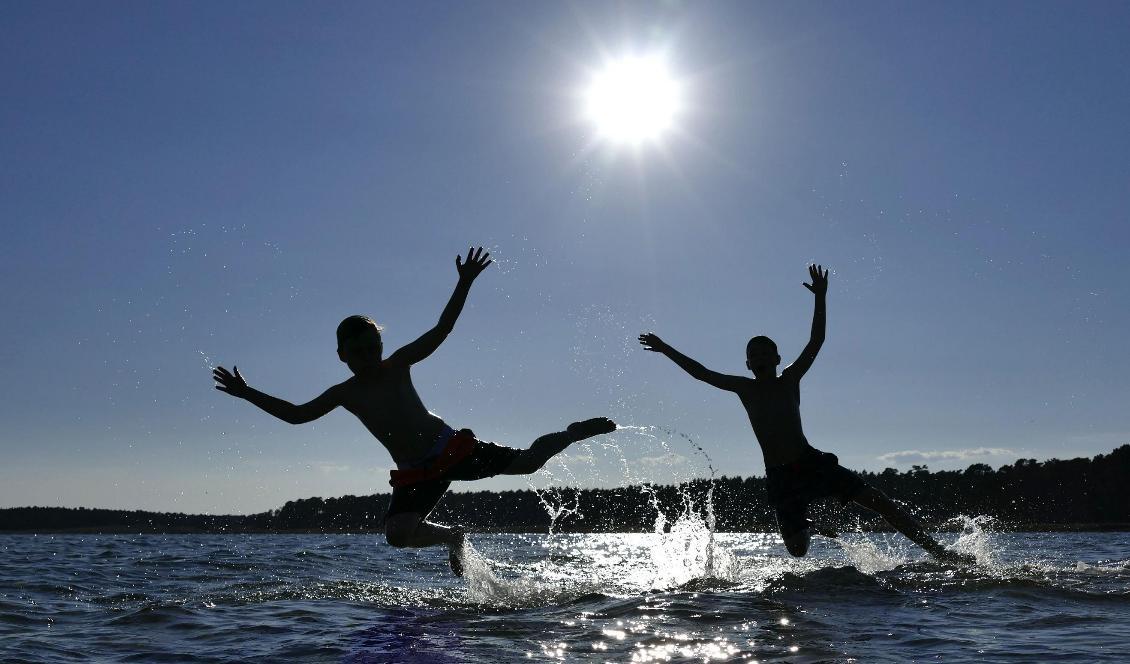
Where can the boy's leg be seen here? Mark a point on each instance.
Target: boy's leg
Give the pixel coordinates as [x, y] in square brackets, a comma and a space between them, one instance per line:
[546, 447]
[410, 529]
[406, 523]
[876, 500]
[795, 529]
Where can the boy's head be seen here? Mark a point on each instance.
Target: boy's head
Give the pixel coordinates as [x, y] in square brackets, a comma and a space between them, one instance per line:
[359, 343]
[761, 356]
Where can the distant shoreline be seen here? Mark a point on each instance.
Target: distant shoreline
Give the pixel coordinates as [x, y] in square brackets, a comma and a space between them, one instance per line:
[1075, 495]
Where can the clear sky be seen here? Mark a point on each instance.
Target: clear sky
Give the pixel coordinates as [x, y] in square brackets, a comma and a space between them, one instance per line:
[209, 182]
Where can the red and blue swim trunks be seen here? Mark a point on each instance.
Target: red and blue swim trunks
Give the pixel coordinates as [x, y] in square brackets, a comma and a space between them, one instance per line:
[461, 457]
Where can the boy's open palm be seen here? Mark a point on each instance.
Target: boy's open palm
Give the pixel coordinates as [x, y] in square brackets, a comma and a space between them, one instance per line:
[819, 277]
[477, 261]
[233, 384]
[652, 342]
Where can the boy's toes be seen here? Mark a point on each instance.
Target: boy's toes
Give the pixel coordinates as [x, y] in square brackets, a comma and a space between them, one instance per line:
[957, 558]
[593, 427]
[951, 557]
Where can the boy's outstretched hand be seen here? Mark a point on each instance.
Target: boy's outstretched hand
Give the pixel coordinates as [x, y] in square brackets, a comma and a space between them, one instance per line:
[233, 384]
[477, 261]
[653, 343]
[819, 277]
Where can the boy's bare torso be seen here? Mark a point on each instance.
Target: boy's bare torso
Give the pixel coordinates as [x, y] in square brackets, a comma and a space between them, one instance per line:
[387, 404]
[773, 407]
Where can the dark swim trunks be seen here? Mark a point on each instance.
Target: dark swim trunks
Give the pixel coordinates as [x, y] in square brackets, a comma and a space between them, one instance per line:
[463, 458]
[815, 475]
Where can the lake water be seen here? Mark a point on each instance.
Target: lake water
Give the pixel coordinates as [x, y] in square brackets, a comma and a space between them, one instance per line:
[686, 595]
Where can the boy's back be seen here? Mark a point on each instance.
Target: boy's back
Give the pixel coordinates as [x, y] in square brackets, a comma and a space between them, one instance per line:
[389, 407]
[773, 407]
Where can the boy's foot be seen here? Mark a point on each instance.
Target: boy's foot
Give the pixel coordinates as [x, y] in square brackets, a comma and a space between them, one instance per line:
[455, 553]
[956, 558]
[590, 428]
[951, 557]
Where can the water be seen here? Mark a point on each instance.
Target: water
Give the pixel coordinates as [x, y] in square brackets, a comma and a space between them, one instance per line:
[685, 595]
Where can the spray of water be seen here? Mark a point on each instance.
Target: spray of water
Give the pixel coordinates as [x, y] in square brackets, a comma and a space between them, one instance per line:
[866, 555]
[975, 538]
[680, 549]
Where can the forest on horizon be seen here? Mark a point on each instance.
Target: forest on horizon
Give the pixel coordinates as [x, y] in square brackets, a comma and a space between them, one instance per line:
[1075, 494]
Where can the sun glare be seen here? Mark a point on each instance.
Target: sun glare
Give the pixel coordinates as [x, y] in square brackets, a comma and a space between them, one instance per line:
[633, 100]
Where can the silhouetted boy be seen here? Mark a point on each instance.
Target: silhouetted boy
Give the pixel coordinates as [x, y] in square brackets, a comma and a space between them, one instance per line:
[796, 473]
[428, 453]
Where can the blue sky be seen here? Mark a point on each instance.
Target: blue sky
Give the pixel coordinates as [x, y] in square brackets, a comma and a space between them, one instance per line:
[195, 183]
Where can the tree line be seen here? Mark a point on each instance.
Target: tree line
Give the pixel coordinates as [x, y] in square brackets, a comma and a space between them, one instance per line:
[1091, 494]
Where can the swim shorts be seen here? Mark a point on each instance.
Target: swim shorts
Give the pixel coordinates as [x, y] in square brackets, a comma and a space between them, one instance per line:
[815, 475]
[463, 458]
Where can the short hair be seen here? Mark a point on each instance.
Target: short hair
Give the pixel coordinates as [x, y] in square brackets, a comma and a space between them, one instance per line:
[763, 340]
[353, 326]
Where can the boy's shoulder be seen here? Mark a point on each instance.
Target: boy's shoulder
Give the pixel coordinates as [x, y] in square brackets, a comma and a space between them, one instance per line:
[764, 387]
[388, 371]
[790, 375]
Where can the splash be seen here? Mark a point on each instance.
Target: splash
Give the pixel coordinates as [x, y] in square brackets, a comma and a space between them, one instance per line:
[691, 550]
[868, 557]
[681, 548]
[536, 585]
[975, 538]
[688, 549]
[555, 504]
[207, 360]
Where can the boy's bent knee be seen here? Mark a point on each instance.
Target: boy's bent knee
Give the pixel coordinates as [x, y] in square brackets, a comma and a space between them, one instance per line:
[397, 538]
[399, 529]
[797, 543]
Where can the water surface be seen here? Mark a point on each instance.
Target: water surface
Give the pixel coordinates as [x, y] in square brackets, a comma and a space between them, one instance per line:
[686, 595]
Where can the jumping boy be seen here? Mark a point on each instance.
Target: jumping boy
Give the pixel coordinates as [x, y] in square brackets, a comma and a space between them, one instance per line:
[429, 454]
[796, 473]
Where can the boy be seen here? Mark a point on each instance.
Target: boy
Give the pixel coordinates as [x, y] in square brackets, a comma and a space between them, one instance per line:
[796, 473]
[428, 453]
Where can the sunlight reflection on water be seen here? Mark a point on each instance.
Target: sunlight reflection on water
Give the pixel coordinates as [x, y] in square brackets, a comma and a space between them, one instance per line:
[569, 597]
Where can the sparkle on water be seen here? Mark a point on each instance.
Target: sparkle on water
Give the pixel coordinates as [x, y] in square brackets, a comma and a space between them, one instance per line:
[682, 554]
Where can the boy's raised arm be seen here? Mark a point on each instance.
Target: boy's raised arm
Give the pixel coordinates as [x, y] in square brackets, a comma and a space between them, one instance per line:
[722, 381]
[819, 288]
[477, 261]
[235, 385]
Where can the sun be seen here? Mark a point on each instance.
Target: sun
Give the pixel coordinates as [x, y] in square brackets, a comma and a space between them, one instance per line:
[633, 100]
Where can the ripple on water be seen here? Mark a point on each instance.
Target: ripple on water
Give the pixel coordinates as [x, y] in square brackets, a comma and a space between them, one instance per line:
[570, 597]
